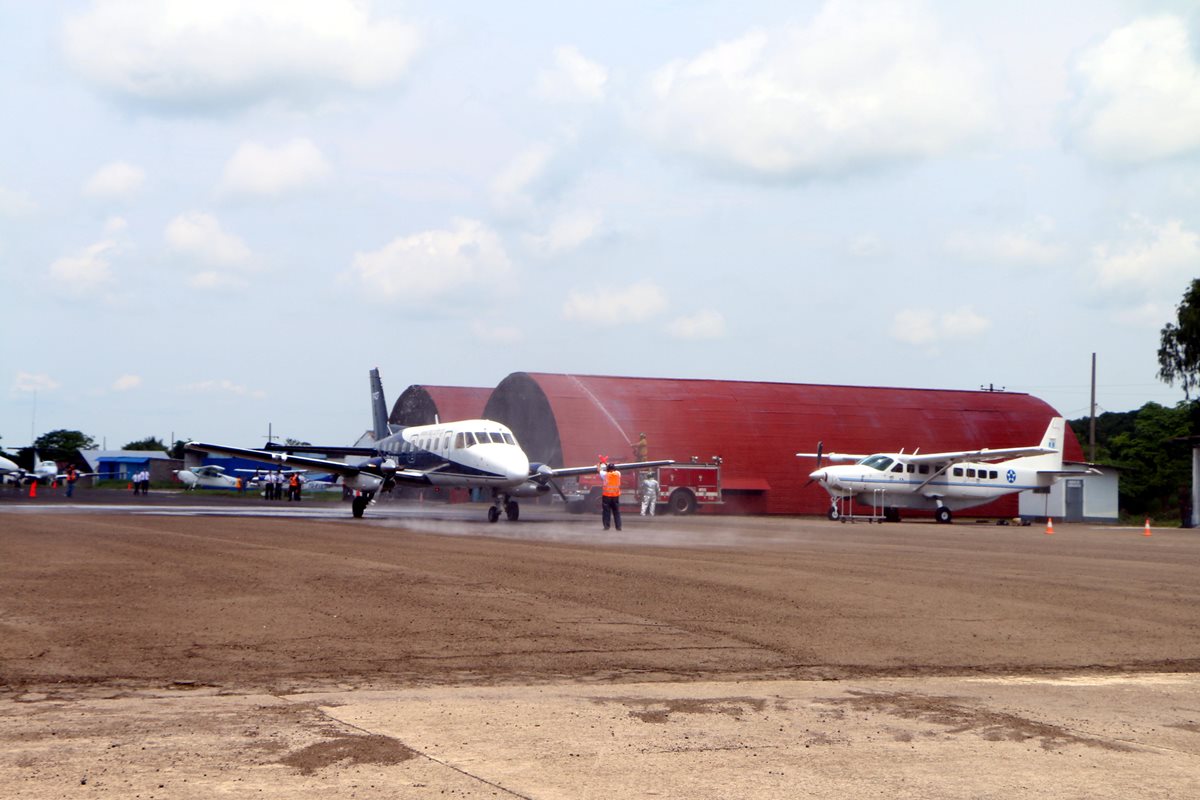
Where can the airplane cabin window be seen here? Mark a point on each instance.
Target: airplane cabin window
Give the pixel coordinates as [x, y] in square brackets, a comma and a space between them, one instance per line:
[911, 468]
[923, 469]
[958, 472]
[993, 474]
[970, 473]
[898, 468]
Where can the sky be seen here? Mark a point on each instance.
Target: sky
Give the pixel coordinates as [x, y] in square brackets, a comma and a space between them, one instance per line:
[216, 217]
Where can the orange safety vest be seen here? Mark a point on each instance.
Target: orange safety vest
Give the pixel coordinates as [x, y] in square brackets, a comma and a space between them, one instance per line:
[294, 481]
[612, 483]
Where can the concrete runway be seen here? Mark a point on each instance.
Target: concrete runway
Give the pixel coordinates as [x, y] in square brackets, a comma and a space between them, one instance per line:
[200, 647]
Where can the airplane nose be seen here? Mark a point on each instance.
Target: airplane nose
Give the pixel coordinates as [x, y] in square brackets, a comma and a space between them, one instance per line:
[817, 475]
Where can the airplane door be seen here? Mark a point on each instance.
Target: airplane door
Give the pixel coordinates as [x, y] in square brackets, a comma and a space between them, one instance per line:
[1074, 510]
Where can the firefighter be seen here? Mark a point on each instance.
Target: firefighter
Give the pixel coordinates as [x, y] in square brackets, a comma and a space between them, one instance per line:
[610, 495]
[641, 448]
[649, 494]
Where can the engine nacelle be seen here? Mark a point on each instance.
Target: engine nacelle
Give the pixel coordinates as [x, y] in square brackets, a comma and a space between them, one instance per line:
[529, 489]
[363, 482]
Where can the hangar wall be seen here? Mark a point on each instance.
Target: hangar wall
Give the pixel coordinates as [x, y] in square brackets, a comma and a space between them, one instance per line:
[424, 405]
[757, 427]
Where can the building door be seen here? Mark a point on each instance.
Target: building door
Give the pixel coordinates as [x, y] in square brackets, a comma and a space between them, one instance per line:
[1075, 500]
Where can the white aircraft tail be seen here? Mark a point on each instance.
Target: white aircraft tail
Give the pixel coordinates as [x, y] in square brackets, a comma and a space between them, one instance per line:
[1053, 439]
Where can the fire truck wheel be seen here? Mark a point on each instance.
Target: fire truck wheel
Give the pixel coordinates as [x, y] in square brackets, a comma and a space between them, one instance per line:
[682, 501]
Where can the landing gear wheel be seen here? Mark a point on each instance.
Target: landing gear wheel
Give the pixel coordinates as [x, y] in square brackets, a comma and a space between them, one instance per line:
[943, 515]
[493, 514]
[512, 510]
[891, 515]
[834, 515]
[359, 505]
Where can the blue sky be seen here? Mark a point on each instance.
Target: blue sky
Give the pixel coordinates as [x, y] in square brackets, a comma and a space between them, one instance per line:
[218, 216]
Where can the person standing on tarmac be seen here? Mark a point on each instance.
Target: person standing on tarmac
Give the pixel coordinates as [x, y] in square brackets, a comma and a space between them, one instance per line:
[72, 476]
[610, 494]
[649, 494]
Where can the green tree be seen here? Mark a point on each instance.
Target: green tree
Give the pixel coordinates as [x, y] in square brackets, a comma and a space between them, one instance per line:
[176, 450]
[1179, 348]
[59, 445]
[1154, 460]
[149, 443]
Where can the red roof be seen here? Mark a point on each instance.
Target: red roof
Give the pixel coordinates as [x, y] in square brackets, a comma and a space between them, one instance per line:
[419, 404]
[758, 427]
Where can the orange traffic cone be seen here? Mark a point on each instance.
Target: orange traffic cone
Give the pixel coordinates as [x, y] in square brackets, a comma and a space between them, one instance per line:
[1146, 530]
[33, 489]
[1049, 525]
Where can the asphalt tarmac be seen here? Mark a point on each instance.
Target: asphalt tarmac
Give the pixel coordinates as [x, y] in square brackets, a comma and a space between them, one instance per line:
[199, 646]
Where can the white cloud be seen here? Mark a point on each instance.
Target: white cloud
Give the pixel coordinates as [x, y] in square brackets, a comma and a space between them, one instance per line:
[512, 188]
[574, 79]
[116, 180]
[1152, 258]
[864, 83]
[634, 303]
[211, 280]
[259, 170]
[1139, 93]
[15, 204]
[705, 324]
[223, 54]
[199, 236]
[127, 382]
[496, 334]
[34, 382]
[86, 269]
[434, 262]
[569, 232]
[920, 326]
[1024, 247]
[223, 386]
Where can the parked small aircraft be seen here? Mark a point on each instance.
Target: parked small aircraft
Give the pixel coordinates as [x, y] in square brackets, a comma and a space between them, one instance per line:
[942, 482]
[210, 476]
[473, 453]
[43, 471]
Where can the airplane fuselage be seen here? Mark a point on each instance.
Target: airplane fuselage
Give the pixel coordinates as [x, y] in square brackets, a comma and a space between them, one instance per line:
[887, 480]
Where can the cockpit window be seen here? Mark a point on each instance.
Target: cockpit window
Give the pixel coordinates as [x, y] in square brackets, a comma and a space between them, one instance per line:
[508, 439]
[470, 437]
[880, 463]
[497, 438]
[482, 437]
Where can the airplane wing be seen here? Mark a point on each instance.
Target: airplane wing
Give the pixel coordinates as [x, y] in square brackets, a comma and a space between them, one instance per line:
[563, 472]
[986, 454]
[834, 456]
[376, 466]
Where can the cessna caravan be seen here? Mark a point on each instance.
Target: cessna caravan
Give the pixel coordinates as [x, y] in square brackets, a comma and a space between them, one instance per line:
[473, 453]
[941, 482]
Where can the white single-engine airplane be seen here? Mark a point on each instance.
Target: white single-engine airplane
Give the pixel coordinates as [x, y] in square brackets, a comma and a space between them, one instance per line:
[473, 453]
[942, 482]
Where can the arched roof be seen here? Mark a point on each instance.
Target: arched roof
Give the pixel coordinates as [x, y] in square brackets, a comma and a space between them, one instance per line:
[424, 405]
[757, 427]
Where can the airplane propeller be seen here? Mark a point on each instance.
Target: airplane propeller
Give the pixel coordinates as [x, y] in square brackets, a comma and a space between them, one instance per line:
[820, 451]
[544, 474]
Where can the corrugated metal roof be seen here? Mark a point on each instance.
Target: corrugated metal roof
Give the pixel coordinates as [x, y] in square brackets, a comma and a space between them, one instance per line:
[757, 427]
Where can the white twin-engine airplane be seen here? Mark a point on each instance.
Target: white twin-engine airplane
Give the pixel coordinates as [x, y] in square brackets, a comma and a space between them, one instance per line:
[942, 482]
[473, 453]
[42, 471]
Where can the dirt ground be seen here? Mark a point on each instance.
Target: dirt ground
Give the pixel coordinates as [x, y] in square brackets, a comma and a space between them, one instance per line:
[185, 647]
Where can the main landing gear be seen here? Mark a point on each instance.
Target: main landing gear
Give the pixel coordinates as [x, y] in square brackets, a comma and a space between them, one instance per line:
[943, 515]
[360, 502]
[512, 511]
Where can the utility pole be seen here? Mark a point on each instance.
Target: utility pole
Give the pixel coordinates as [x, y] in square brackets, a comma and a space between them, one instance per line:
[1092, 424]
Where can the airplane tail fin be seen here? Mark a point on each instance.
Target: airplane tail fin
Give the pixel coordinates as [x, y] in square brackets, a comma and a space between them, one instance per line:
[379, 412]
[1053, 439]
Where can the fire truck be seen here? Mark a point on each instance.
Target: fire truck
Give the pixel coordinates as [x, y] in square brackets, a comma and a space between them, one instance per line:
[682, 488]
